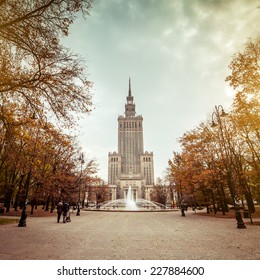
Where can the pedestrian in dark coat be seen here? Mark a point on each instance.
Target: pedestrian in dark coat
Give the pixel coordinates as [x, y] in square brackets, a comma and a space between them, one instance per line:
[59, 211]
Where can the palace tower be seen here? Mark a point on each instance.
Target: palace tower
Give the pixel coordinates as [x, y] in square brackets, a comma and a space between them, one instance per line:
[130, 166]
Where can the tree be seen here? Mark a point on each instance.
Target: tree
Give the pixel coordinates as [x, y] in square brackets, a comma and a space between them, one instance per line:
[37, 161]
[245, 78]
[39, 77]
[220, 163]
[159, 194]
[12, 151]
[199, 172]
[245, 67]
[36, 70]
[98, 192]
[87, 178]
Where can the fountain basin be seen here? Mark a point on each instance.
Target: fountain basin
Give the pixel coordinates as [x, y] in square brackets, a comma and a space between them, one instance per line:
[129, 204]
[123, 205]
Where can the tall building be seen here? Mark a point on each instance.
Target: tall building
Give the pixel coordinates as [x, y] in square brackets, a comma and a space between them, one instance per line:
[130, 166]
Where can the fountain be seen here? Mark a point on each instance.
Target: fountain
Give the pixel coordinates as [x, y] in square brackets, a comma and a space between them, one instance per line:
[130, 204]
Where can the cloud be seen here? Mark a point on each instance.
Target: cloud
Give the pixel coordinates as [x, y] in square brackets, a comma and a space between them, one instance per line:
[177, 53]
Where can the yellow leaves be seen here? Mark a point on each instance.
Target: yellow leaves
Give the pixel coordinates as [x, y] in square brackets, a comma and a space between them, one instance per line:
[245, 68]
[36, 69]
[228, 155]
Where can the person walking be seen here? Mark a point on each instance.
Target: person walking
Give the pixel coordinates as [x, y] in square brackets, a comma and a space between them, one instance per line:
[59, 211]
[183, 208]
[65, 211]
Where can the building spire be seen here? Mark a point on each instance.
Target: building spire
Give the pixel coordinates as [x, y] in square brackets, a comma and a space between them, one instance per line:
[129, 106]
[129, 89]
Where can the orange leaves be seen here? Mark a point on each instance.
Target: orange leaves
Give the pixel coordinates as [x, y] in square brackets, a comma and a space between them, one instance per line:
[214, 158]
[36, 70]
[245, 68]
[39, 75]
[226, 158]
[33, 146]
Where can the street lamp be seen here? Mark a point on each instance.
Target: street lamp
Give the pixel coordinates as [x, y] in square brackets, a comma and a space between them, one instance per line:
[217, 114]
[81, 159]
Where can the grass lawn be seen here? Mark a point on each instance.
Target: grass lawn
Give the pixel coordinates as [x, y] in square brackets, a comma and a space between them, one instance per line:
[7, 221]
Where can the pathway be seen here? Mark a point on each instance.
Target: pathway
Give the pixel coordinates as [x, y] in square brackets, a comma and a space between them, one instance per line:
[118, 235]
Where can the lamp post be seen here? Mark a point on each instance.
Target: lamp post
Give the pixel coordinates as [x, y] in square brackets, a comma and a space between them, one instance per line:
[217, 114]
[81, 159]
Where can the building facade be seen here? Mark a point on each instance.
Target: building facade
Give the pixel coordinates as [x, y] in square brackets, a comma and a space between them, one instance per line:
[130, 167]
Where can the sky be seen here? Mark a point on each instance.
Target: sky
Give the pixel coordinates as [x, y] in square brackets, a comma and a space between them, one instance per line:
[177, 54]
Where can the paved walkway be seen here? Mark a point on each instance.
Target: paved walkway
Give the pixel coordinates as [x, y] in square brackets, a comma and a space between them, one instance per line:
[118, 235]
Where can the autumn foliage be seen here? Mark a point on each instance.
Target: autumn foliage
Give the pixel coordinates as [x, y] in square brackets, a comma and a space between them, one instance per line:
[36, 69]
[219, 161]
[43, 86]
[37, 158]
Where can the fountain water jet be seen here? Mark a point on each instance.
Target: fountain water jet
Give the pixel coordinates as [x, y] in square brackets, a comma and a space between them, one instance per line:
[130, 204]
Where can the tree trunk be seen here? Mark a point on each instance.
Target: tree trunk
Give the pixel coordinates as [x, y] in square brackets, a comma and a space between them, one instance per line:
[224, 199]
[222, 202]
[52, 205]
[7, 199]
[47, 203]
[32, 207]
[250, 202]
[213, 201]
[18, 194]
